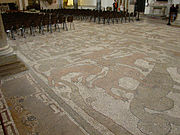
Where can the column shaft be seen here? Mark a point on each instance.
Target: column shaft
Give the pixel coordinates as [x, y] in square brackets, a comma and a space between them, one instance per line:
[120, 2]
[20, 5]
[3, 40]
[124, 4]
[127, 4]
[75, 3]
[4, 47]
[60, 2]
[98, 5]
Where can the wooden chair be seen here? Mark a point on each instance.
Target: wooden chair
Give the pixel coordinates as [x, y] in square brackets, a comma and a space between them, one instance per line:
[70, 21]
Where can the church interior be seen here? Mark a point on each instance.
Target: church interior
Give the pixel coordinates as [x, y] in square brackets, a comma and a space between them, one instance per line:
[89, 67]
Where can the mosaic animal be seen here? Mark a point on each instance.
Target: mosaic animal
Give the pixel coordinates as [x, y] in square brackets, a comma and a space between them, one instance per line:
[150, 98]
[83, 71]
[111, 80]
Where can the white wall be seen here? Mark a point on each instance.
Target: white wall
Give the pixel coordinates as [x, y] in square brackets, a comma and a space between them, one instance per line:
[176, 1]
[107, 3]
[104, 3]
[88, 2]
[148, 10]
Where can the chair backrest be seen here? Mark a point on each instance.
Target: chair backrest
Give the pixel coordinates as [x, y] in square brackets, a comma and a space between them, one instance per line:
[45, 20]
[70, 19]
[60, 19]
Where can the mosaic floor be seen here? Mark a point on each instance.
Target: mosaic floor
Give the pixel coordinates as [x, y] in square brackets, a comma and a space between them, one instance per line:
[121, 79]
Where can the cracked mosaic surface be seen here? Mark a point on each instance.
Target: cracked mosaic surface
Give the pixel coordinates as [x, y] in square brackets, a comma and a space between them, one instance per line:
[122, 79]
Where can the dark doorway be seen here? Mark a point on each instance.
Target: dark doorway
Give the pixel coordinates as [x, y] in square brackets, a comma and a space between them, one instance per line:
[140, 5]
[13, 6]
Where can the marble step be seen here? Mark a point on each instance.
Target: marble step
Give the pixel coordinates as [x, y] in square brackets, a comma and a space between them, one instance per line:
[10, 65]
[16, 64]
[13, 71]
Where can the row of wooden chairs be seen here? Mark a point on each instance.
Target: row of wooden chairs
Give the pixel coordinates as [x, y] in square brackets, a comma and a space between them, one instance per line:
[21, 22]
[94, 15]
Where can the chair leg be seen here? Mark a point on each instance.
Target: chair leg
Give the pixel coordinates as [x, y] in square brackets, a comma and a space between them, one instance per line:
[21, 29]
[55, 27]
[90, 19]
[108, 20]
[58, 27]
[113, 20]
[39, 29]
[63, 25]
[42, 30]
[86, 18]
[24, 32]
[33, 31]
[99, 20]
[30, 30]
[12, 35]
[50, 28]
[117, 20]
[8, 33]
[35, 28]
[133, 18]
[73, 26]
[103, 20]
[94, 19]
[66, 26]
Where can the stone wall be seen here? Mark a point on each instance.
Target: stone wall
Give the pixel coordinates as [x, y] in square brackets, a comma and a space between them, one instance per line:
[149, 9]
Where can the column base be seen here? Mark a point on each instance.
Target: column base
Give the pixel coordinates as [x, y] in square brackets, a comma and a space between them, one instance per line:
[6, 51]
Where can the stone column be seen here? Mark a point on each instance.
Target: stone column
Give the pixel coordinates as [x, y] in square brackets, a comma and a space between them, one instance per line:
[98, 5]
[4, 47]
[20, 5]
[124, 5]
[75, 3]
[60, 2]
[120, 2]
[25, 3]
[127, 5]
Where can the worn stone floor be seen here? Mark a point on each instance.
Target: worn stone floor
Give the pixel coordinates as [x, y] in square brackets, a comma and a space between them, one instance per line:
[121, 79]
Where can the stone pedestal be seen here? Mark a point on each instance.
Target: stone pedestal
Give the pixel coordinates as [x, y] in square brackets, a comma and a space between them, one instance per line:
[6, 51]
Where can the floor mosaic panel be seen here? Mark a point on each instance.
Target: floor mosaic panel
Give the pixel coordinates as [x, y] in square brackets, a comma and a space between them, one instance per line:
[121, 79]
